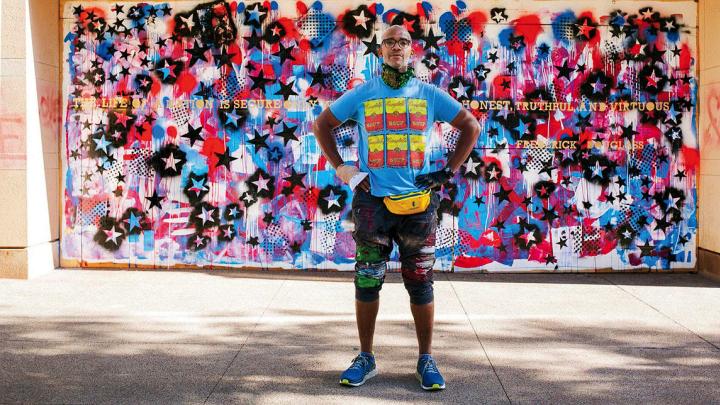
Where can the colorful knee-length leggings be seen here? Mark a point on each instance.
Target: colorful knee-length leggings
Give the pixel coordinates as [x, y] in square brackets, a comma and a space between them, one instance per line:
[376, 229]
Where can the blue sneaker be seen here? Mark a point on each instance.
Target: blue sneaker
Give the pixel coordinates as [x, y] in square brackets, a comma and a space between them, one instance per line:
[428, 374]
[362, 369]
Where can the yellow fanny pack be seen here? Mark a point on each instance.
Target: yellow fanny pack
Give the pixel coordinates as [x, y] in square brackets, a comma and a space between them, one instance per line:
[407, 204]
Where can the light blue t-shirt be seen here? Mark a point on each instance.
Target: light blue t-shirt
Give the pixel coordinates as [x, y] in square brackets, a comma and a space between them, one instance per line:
[394, 127]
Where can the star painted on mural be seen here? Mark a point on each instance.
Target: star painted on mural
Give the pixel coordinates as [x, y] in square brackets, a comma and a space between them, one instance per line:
[332, 200]
[373, 47]
[498, 15]
[585, 29]
[259, 141]
[287, 133]
[260, 81]
[155, 200]
[319, 77]
[101, 144]
[431, 40]
[133, 221]
[225, 158]
[492, 173]
[171, 162]
[481, 72]
[361, 19]
[112, 235]
[286, 90]
[471, 166]
[598, 86]
[198, 185]
[223, 58]
[493, 56]
[461, 90]
[197, 53]
[206, 215]
[564, 70]
[261, 183]
[194, 134]
[284, 53]
[431, 61]
[254, 40]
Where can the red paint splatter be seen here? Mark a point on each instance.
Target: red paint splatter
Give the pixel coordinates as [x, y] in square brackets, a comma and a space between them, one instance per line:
[186, 82]
[468, 262]
[685, 57]
[172, 131]
[301, 8]
[529, 27]
[211, 146]
[477, 21]
[691, 157]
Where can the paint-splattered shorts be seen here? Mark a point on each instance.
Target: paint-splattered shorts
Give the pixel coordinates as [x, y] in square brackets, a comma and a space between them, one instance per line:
[375, 230]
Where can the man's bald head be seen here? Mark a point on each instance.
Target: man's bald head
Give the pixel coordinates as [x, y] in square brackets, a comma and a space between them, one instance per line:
[396, 47]
[396, 31]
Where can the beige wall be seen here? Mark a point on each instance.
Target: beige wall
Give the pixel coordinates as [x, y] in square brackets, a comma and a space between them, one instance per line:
[29, 130]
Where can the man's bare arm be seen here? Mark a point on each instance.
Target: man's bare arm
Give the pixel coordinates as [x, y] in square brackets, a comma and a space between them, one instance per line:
[322, 128]
[469, 132]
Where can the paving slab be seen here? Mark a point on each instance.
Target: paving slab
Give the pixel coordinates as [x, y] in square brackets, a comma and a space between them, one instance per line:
[309, 375]
[687, 299]
[323, 313]
[563, 309]
[548, 373]
[124, 306]
[81, 372]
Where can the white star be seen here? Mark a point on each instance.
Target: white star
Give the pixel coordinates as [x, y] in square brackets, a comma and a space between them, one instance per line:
[361, 19]
[199, 241]
[460, 90]
[627, 234]
[233, 212]
[669, 25]
[261, 183]
[276, 31]
[497, 16]
[206, 215]
[471, 166]
[228, 232]
[112, 235]
[493, 172]
[332, 199]
[188, 21]
[529, 237]
[597, 170]
[170, 162]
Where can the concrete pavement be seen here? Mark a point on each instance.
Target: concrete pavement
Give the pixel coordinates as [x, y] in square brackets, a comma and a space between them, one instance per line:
[238, 337]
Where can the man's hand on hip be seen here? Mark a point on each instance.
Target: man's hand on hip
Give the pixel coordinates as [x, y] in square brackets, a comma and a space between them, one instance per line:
[347, 172]
[434, 179]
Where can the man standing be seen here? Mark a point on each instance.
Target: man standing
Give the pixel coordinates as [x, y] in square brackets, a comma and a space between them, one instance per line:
[395, 113]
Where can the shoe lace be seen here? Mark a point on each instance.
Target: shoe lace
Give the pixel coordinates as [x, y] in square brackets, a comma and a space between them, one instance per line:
[430, 366]
[359, 362]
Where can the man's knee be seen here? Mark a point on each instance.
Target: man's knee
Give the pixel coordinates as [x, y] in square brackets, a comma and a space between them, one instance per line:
[421, 292]
[369, 278]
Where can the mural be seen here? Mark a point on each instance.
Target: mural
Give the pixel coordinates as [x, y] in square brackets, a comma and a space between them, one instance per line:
[188, 132]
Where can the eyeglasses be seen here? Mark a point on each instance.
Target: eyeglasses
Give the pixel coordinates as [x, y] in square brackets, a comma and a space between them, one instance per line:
[390, 42]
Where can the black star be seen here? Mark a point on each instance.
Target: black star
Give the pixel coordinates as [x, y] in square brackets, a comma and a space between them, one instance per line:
[431, 41]
[194, 134]
[154, 200]
[268, 218]
[318, 77]
[479, 200]
[372, 46]
[259, 141]
[223, 58]
[680, 174]
[254, 41]
[286, 90]
[502, 195]
[306, 225]
[661, 224]
[562, 242]
[284, 53]
[295, 179]
[288, 134]
[253, 241]
[271, 120]
[564, 70]
[224, 159]
[197, 53]
[492, 56]
[260, 81]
